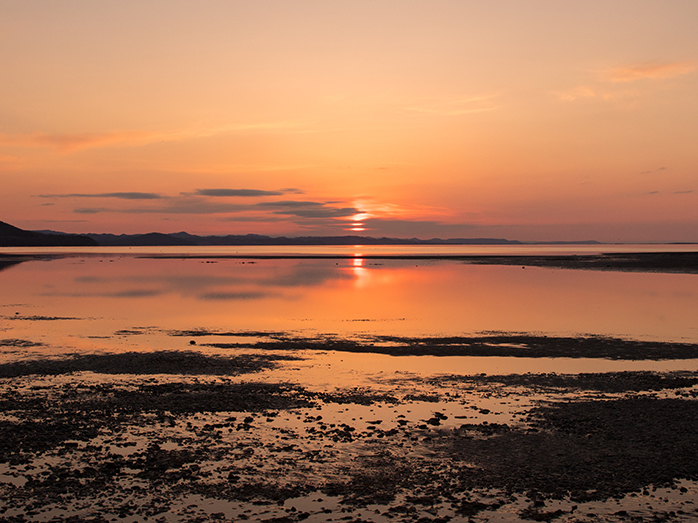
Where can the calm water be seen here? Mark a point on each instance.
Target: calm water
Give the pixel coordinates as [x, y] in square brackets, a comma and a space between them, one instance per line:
[347, 296]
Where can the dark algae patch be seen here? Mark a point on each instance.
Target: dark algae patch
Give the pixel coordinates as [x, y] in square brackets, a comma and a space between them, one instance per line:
[219, 446]
[626, 381]
[582, 450]
[490, 344]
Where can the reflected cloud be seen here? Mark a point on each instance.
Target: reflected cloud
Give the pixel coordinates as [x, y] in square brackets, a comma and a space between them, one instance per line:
[311, 276]
[226, 282]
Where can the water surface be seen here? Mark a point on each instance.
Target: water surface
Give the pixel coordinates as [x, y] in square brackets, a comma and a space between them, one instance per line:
[114, 292]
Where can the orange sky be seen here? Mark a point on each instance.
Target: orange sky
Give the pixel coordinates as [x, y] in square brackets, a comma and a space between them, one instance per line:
[528, 120]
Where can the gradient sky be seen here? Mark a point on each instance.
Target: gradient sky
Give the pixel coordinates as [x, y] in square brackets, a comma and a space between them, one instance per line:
[528, 120]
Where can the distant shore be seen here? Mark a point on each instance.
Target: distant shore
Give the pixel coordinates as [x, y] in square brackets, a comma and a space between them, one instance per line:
[665, 262]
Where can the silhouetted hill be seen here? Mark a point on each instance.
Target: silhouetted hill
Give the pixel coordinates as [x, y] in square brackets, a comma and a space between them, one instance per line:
[11, 236]
[141, 240]
[15, 237]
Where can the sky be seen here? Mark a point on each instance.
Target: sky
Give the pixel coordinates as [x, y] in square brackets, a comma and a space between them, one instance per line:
[531, 120]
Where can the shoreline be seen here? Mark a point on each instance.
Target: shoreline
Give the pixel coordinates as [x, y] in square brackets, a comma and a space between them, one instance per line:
[663, 262]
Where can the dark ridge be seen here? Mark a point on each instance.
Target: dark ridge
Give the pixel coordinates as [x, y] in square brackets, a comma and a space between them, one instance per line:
[141, 240]
[11, 236]
[183, 238]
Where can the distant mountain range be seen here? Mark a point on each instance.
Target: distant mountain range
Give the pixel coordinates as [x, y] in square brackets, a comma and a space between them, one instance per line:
[11, 236]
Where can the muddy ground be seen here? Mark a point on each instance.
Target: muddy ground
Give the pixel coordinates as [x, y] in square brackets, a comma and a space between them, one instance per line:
[184, 436]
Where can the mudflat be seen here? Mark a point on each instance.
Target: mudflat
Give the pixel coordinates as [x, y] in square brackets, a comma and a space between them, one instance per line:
[185, 436]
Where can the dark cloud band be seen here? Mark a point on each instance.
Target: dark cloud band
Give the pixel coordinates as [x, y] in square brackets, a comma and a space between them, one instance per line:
[120, 195]
[237, 192]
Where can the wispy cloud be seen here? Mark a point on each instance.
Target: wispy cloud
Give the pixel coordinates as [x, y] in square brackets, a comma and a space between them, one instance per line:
[683, 192]
[455, 106]
[71, 142]
[577, 93]
[603, 87]
[654, 171]
[650, 70]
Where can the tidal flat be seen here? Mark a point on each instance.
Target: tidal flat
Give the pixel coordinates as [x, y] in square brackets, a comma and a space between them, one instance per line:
[93, 439]
[173, 390]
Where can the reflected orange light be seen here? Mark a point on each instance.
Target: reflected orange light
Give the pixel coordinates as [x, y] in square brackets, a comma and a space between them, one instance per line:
[361, 273]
